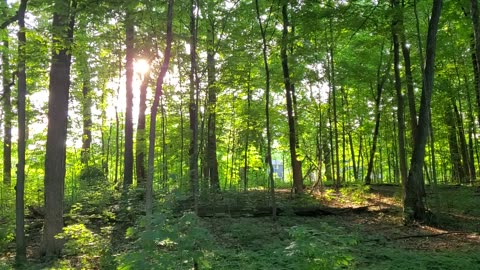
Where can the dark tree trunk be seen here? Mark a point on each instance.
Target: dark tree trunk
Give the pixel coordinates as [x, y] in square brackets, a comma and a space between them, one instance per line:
[292, 135]
[7, 112]
[397, 29]
[457, 170]
[128, 147]
[378, 99]
[193, 106]
[413, 204]
[476, 51]
[267, 109]
[141, 138]
[463, 144]
[21, 250]
[211, 147]
[63, 22]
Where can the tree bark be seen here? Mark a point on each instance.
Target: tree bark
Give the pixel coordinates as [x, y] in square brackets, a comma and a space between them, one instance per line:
[292, 135]
[62, 37]
[21, 250]
[413, 204]
[128, 146]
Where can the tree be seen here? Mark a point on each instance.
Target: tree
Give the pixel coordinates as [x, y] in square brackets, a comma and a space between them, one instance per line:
[413, 204]
[268, 158]
[130, 53]
[21, 250]
[211, 147]
[154, 109]
[62, 38]
[193, 105]
[292, 134]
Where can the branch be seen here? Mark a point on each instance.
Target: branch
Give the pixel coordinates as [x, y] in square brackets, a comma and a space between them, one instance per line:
[426, 235]
[9, 21]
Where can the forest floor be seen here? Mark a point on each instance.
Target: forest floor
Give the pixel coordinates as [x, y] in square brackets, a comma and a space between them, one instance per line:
[354, 228]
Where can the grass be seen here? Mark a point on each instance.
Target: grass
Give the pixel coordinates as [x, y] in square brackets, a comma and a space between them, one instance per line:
[111, 239]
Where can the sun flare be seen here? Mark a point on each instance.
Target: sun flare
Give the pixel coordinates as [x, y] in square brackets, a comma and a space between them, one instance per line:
[141, 66]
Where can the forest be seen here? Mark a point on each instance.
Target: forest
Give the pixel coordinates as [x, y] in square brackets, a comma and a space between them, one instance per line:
[240, 134]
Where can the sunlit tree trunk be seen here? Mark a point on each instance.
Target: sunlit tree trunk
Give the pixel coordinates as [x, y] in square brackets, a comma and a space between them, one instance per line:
[413, 204]
[63, 23]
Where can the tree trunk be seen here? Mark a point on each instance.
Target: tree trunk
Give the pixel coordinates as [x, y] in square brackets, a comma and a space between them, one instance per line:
[397, 29]
[21, 250]
[296, 165]
[153, 115]
[457, 170]
[193, 106]
[128, 147]
[63, 22]
[413, 204]
[141, 138]
[7, 112]
[267, 109]
[87, 119]
[378, 99]
[476, 52]
[211, 148]
[463, 144]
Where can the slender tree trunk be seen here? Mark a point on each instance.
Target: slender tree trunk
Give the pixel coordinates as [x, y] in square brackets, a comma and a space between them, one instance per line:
[457, 170]
[193, 106]
[63, 22]
[153, 115]
[247, 135]
[463, 143]
[333, 88]
[141, 138]
[21, 250]
[128, 147]
[476, 52]
[397, 29]
[7, 112]
[378, 99]
[292, 135]
[267, 109]
[105, 138]
[87, 120]
[413, 204]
